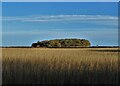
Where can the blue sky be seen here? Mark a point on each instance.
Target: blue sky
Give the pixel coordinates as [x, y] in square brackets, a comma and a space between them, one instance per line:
[25, 22]
[60, 0]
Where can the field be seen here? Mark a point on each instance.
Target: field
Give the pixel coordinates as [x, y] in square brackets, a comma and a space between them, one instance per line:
[60, 66]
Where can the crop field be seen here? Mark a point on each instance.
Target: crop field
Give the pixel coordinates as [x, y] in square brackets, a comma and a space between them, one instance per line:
[60, 65]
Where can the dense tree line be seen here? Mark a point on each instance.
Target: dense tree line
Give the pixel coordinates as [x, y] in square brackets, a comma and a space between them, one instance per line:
[62, 43]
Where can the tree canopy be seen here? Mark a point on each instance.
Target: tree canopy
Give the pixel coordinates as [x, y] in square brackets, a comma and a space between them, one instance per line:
[62, 43]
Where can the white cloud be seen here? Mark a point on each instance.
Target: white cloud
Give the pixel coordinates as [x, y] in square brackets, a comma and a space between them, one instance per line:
[48, 18]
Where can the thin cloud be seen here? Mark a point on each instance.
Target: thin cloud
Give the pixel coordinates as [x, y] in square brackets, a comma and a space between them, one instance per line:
[26, 32]
[48, 18]
[63, 32]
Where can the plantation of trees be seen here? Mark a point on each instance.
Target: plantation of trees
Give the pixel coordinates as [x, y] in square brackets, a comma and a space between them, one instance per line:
[62, 43]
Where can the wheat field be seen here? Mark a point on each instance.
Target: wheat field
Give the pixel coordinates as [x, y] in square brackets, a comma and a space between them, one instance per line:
[60, 66]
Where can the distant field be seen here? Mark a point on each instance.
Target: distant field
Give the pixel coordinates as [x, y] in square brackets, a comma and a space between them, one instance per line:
[60, 66]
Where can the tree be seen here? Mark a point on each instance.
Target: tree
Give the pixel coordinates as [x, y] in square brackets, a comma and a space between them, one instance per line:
[57, 43]
[34, 44]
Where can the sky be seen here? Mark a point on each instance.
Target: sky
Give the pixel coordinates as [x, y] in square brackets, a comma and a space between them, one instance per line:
[60, 0]
[0, 26]
[26, 22]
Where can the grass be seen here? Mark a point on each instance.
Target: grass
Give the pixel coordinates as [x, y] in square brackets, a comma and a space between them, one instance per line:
[60, 66]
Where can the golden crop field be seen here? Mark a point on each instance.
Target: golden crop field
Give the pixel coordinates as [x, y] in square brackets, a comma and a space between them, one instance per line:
[60, 66]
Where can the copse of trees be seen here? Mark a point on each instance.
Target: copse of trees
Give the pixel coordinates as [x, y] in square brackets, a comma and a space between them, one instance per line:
[62, 43]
